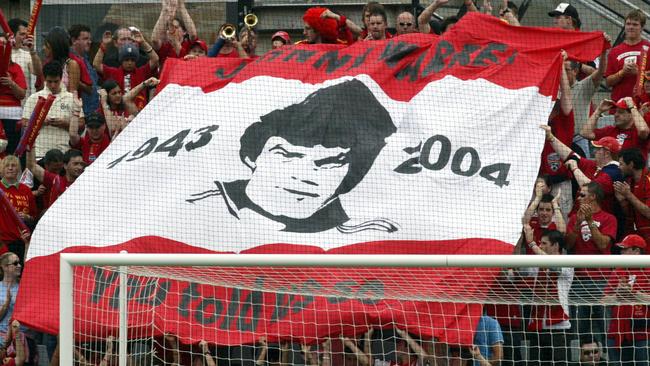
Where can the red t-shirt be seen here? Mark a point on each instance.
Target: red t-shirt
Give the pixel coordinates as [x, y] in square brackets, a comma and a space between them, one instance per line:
[135, 77]
[641, 190]
[626, 138]
[622, 326]
[615, 62]
[7, 98]
[56, 185]
[167, 51]
[91, 150]
[562, 127]
[584, 245]
[538, 230]
[21, 198]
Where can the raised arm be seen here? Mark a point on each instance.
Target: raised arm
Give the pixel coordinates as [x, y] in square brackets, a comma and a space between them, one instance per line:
[597, 76]
[36, 169]
[566, 101]
[187, 20]
[167, 12]
[264, 350]
[639, 123]
[206, 353]
[107, 39]
[559, 147]
[415, 346]
[533, 204]
[146, 47]
[363, 358]
[470, 5]
[425, 17]
[588, 128]
[106, 360]
[73, 128]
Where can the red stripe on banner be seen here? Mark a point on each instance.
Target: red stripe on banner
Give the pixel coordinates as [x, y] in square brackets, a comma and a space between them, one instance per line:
[477, 47]
[195, 311]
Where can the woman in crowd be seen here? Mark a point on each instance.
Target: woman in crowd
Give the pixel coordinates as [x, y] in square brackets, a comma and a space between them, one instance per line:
[57, 47]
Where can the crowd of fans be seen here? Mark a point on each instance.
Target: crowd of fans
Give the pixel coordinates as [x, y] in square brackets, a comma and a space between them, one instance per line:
[592, 195]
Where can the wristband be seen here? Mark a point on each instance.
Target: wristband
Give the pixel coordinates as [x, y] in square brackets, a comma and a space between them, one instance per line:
[532, 244]
[342, 21]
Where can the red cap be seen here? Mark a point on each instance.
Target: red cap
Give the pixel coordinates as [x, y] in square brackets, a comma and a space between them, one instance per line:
[608, 143]
[632, 241]
[621, 104]
[281, 34]
[200, 43]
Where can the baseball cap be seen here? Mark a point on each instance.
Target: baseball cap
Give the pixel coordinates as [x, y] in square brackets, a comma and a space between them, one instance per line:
[608, 143]
[568, 10]
[632, 241]
[200, 43]
[621, 104]
[95, 120]
[128, 51]
[283, 35]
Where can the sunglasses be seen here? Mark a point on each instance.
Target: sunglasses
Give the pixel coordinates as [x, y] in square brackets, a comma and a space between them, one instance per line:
[16, 263]
[405, 24]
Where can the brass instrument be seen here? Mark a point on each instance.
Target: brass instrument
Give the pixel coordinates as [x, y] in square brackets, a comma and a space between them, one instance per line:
[250, 20]
[228, 31]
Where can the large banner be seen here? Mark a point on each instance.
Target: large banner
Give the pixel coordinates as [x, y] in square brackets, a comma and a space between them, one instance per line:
[418, 144]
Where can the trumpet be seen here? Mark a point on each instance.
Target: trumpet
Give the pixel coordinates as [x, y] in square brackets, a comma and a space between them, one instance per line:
[228, 31]
[250, 20]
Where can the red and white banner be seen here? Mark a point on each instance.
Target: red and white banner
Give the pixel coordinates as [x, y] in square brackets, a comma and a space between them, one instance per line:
[419, 144]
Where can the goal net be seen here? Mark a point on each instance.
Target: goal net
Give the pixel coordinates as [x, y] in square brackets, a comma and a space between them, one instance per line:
[342, 310]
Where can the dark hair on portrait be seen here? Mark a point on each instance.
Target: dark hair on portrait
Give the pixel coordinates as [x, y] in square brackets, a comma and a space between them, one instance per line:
[632, 155]
[345, 115]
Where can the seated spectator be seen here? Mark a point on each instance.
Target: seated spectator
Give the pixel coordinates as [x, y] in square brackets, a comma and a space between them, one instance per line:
[128, 75]
[54, 133]
[280, 39]
[174, 31]
[12, 92]
[21, 199]
[590, 352]
[549, 323]
[119, 38]
[624, 60]
[73, 165]
[405, 23]
[488, 343]
[634, 193]
[95, 139]
[627, 337]
[56, 47]
[629, 129]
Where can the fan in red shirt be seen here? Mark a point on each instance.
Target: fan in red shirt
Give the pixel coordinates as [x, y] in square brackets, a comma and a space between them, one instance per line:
[174, 31]
[12, 91]
[21, 198]
[94, 141]
[634, 193]
[128, 75]
[629, 322]
[624, 60]
[73, 165]
[629, 127]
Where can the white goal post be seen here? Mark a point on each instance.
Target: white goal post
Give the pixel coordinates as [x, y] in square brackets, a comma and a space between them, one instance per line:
[124, 260]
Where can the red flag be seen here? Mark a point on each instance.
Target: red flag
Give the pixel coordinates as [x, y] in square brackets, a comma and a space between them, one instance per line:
[4, 25]
[33, 18]
[35, 123]
[5, 58]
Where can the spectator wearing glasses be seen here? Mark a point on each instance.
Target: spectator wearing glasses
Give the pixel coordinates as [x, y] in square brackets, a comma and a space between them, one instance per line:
[11, 269]
[405, 23]
[590, 352]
